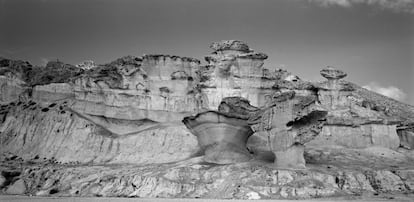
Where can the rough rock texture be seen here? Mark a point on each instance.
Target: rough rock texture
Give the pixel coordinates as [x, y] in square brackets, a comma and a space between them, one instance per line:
[87, 65]
[234, 70]
[222, 137]
[289, 121]
[115, 130]
[155, 87]
[351, 121]
[331, 173]
[331, 73]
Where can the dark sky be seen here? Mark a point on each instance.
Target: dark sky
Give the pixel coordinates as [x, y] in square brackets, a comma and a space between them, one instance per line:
[373, 43]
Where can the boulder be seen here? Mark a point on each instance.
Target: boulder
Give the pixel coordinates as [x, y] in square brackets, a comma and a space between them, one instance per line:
[17, 188]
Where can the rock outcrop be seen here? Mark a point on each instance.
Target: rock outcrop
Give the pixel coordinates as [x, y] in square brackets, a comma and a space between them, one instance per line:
[87, 65]
[155, 87]
[116, 130]
[222, 137]
[56, 132]
[234, 70]
[285, 125]
[351, 122]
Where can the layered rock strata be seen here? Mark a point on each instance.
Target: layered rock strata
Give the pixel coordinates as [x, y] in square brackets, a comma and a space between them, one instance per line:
[155, 87]
[30, 129]
[351, 174]
[67, 131]
[222, 137]
[234, 70]
[351, 122]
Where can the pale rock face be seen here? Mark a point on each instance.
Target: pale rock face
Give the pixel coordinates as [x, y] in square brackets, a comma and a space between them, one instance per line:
[56, 132]
[53, 92]
[221, 136]
[288, 122]
[234, 71]
[358, 137]
[349, 122]
[160, 88]
[351, 174]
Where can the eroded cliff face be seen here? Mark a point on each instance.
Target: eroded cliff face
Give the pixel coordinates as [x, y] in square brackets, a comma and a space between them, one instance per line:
[155, 87]
[30, 129]
[234, 70]
[129, 111]
[351, 122]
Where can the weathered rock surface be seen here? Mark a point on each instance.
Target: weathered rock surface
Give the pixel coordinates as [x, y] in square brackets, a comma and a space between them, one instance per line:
[155, 87]
[351, 121]
[334, 172]
[234, 70]
[54, 131]
[115, 130]
[222, 137]
[53, 92]
[288, 121]
[87, 65]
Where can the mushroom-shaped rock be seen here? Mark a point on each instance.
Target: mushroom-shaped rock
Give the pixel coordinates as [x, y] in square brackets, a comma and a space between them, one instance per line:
[334, 76]
[221, 136]
[333, 91]
[332, 73]
[289, 122]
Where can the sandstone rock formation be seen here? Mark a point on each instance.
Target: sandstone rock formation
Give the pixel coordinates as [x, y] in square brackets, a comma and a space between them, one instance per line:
[87, 65]
[288, 123]
[352, 174]
[234, 70]
[56, 132]
[222, 137]
[351, 122]
[155, 87]
[115, 130]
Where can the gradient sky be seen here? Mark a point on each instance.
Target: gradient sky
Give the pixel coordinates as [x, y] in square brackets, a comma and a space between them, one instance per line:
[372, 43]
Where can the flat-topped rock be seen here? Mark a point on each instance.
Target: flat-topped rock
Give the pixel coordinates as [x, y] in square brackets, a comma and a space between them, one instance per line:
[172, 57]
[332, 73]
[230, 45]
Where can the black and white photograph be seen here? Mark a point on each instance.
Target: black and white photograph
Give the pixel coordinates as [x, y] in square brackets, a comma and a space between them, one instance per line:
[206, 100]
